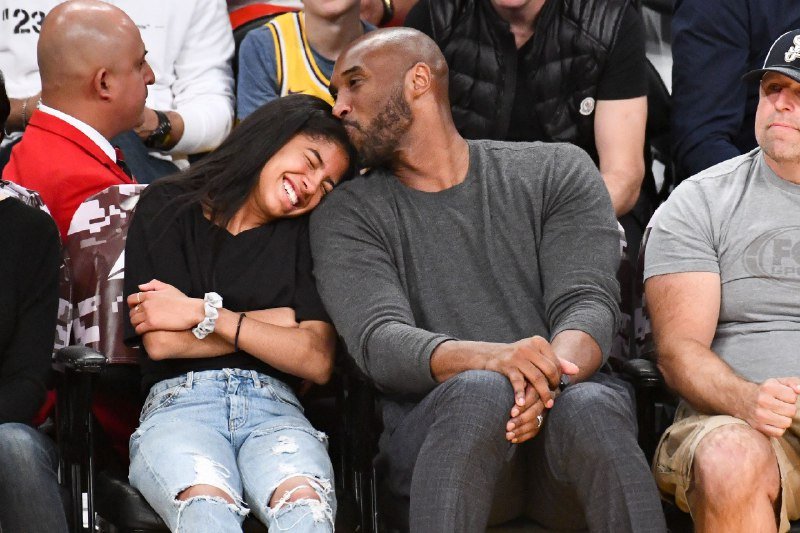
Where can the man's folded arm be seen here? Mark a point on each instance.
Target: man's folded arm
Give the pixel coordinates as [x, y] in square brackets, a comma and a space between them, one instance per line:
[361, 289]
[579, 256]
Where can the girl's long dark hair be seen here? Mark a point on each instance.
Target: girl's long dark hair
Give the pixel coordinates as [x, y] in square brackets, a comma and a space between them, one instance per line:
[222, 181]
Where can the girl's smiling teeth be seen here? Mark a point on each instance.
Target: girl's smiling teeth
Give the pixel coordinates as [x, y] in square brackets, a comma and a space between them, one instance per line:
[290, 192]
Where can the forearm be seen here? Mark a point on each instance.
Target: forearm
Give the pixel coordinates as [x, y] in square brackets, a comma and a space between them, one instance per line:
[453, 357]
[176, 133]
[183, 345]
[580, 348]
[203, 90]
[206, 122]
[702, 378]
[163, 344]
[588, 313]
[623, 187]
[700, 150]
[305, 351]
[20, 106]
[150, 123]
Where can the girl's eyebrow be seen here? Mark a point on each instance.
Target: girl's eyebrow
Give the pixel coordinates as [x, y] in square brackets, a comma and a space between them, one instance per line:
[316, 154]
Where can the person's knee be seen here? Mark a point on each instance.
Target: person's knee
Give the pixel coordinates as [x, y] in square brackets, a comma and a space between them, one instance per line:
[20, 445]
[589, 407]
[307, 495]
[590, 398]
[480, 388]
[210, 491]
[735, 452]
[295, 489]
[207, 506]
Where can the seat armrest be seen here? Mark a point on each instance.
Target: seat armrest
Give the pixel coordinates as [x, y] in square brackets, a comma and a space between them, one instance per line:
[80, 359]
[643, 372]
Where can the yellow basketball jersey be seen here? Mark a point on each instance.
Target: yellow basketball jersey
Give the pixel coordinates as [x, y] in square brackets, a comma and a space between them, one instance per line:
[297, 70]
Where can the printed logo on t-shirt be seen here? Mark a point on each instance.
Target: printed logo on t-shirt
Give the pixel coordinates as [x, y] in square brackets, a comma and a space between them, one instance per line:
[775, 256]
[794, 50]
[587, 106]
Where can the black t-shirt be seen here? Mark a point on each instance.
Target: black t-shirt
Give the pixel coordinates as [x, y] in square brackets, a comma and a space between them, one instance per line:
[624, 76]
[265, 267]
[29, 259]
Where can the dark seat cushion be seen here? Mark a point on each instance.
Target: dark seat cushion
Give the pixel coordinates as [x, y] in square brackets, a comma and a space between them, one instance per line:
[123, 506]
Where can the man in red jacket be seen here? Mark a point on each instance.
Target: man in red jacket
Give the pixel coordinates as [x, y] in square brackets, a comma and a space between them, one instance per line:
[94, 84]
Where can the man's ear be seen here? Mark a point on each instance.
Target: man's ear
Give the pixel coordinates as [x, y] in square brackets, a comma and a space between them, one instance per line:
[101, 83]
[419, 79]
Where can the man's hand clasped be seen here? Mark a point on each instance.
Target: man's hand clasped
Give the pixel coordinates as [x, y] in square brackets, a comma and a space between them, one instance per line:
[773, 406]
[534, 371]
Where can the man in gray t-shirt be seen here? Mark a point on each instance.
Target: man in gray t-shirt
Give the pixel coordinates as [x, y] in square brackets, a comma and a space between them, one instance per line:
[466, 278]
[722, 284]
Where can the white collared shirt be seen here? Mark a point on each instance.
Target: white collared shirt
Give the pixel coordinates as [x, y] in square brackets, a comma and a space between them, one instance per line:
[84, 128]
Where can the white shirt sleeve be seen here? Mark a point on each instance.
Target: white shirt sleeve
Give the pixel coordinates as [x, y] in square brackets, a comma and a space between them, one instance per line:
[203, 85]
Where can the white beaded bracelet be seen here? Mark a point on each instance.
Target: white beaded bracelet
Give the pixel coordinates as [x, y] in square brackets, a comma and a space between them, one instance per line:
[212, 302]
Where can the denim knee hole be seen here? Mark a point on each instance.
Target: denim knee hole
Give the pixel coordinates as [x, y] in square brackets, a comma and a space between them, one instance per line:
[210, 472]
[320, 509]
[183, 504]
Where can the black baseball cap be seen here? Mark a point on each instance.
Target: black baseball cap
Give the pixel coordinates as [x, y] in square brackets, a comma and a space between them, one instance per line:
[783, 57]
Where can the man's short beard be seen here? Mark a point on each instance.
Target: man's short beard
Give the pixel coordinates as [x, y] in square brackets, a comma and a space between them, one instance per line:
[382, 134]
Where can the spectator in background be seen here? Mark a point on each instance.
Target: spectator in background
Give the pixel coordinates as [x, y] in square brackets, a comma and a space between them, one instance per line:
[714, 42]
[29, 256]
[189, 108]
[94, 83]
[722, 280]
[295, 53]
[376, 12]
[233, 5]
[549, 70]
[386, 12]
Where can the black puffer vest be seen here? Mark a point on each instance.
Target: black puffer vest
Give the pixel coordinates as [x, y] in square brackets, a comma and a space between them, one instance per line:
[572, 42]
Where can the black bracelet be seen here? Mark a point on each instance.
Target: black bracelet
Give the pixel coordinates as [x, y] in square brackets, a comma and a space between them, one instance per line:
[160, 136]
[238, 328]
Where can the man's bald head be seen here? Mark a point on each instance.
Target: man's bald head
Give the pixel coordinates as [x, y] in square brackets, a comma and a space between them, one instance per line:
[93, 67]
[402, 48]
[80, 36]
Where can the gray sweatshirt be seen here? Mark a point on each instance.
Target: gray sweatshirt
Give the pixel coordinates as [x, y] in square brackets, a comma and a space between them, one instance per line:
[526, 245]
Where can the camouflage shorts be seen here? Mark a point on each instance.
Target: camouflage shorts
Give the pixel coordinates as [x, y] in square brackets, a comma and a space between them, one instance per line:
[674, 456]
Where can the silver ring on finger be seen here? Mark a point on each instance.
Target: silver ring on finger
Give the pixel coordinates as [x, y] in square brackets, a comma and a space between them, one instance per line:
[138, 297]
[136, 310]
[539, 421]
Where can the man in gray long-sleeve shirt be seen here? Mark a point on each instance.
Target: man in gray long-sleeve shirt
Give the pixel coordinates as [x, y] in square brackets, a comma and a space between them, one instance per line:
[465, 279]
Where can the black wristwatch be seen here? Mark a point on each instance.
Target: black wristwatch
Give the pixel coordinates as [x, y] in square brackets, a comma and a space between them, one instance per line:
[160, 136]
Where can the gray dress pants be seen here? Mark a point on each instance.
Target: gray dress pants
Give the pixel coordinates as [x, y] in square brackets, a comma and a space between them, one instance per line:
[448, 455]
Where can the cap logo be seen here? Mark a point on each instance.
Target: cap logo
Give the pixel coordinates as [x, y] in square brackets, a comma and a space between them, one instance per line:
[794, 50]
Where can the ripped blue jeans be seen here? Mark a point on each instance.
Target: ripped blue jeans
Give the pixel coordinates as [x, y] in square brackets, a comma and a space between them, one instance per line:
[239, 431]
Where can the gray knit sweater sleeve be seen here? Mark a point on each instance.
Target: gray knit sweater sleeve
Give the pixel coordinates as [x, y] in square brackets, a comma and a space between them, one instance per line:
[359, 285]
[579, 251]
